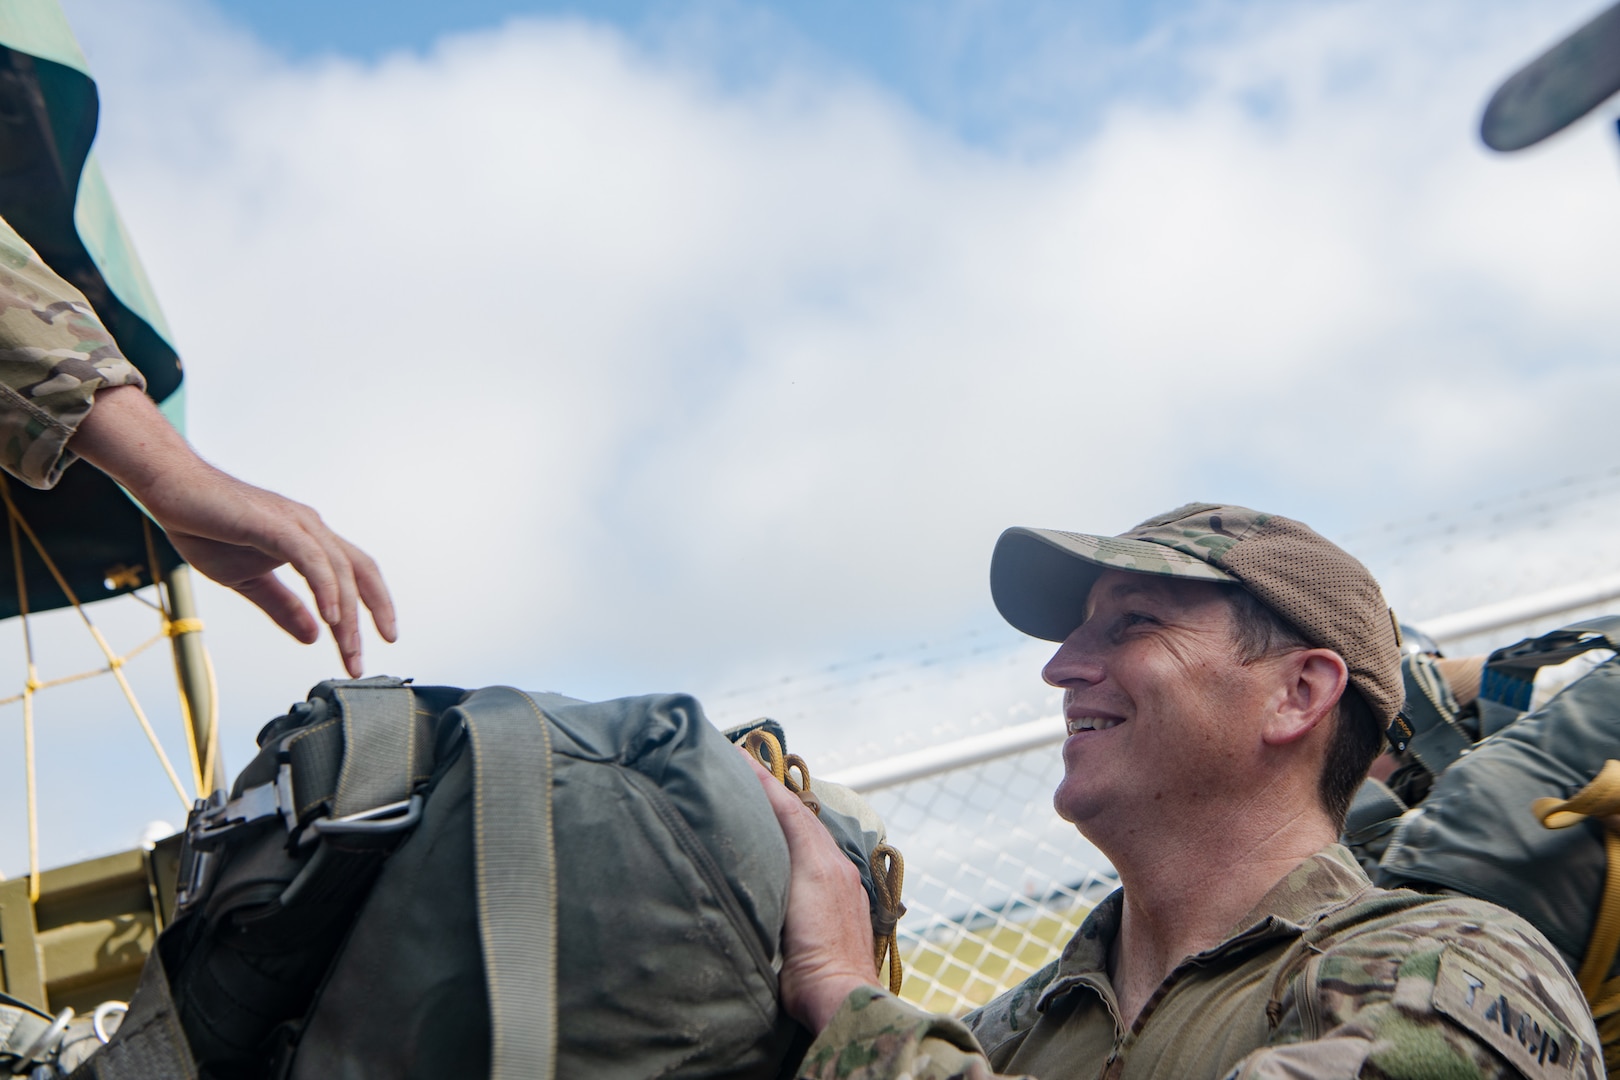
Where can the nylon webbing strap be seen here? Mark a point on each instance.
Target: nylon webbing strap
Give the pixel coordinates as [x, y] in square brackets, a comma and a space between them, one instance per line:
[379, 745]
[1435, 741]
[149, 1043]
[1565, 643]
[1508, 681]
[21, 1024]
[517, 881]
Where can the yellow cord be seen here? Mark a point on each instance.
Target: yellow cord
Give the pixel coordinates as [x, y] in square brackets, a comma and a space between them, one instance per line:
[115, 662]
[211, 753]
[887, 866]
[174, 628]
[28, 710]
[772, 758]
[64, 680]
[1600, 799]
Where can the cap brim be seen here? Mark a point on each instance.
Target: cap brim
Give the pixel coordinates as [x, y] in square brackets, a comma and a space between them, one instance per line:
[1040, 578]
[1557, 88]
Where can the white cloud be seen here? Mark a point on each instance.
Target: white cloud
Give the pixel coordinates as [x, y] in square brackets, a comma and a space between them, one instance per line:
[633, 381]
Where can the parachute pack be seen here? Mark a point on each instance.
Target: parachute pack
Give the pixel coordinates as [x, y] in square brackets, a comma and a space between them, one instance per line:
[1513, 806]
[427, 882]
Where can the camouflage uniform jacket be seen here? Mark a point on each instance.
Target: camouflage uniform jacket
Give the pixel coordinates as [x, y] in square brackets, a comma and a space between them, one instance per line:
[54, 356]
[1328, 977]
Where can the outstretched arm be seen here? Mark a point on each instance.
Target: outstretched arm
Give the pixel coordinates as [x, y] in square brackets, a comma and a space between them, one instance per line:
[233, 532]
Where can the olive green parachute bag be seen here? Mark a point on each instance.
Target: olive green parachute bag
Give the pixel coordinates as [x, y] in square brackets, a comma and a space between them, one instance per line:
[414, 882]
[1508, 806]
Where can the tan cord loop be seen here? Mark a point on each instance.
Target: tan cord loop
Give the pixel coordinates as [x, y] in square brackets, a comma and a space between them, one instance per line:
[176, 627]
[801, 786]
[888, 875]
[1599, 799]
[887, 866]
[759, 739]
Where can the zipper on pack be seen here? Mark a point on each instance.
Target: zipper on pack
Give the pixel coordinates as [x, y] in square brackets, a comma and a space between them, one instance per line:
[708, 870]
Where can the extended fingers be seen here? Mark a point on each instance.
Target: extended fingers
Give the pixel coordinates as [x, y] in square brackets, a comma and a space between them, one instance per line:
[283, 607]
[373, 591]
[320, 557]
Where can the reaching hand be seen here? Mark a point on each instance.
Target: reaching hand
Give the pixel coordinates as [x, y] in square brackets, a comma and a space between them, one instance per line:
[827, 940]
[233, 532]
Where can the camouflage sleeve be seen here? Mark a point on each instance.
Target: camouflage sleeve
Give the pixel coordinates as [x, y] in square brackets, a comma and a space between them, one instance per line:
[1466, 991]
[876, 1036]
[54, 356]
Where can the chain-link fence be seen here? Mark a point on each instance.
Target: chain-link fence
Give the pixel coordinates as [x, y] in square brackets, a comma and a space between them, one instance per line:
[995, 881]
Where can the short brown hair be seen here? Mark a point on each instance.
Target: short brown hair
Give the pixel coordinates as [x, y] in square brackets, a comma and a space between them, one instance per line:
[1356, 740]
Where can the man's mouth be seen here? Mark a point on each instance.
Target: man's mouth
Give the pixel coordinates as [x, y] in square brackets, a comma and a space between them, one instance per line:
[1093, 723]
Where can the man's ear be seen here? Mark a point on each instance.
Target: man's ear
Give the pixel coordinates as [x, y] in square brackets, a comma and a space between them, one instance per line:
[1311, 681]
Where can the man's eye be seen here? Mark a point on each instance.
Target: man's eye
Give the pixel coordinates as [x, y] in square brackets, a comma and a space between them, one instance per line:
[1129, 620]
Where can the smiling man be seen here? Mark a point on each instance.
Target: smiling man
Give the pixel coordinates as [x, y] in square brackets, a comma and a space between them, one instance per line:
[1227, 679]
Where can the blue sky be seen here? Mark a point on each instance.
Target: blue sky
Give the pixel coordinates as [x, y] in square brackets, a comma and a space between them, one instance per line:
[992, 70]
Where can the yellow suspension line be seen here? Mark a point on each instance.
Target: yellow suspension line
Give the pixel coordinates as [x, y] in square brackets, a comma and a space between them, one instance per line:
[211, 756]
[114, 661]
[174, 628]
[29, 687]
[64, 680]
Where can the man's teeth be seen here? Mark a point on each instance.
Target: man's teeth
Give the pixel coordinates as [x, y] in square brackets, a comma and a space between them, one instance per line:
[1093, 723]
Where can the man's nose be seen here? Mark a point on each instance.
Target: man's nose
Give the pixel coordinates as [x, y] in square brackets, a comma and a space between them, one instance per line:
[1077, 661]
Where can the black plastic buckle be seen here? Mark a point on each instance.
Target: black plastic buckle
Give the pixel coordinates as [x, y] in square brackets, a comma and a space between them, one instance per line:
[1399, 733]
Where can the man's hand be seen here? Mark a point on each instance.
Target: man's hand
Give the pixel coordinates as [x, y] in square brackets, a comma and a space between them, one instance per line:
[827, 941]
[233, 532]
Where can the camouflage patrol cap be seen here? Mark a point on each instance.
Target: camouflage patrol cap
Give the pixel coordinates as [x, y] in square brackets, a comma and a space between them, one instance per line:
[1040, 579]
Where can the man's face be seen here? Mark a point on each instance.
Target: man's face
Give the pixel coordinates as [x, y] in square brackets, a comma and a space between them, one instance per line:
[1160, 708]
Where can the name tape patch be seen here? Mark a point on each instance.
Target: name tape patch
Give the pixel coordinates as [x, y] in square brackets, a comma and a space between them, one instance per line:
[1500, 1012]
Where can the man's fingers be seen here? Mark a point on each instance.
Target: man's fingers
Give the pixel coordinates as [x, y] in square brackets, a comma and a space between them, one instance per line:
[373, 591]
[308, 557]
[317, 555]
[283, 607]
[346, 630]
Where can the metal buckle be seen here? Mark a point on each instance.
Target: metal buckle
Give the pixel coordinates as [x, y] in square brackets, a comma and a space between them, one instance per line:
[49, 1041]
[378, 821]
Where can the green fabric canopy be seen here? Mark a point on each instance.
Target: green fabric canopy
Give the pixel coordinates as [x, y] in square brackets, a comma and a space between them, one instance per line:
[53, 193]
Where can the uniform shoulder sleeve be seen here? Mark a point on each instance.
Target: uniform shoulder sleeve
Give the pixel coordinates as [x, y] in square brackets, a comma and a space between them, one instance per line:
[1450, 987]
[876, 1036]
[1001, 1026]
[54, 356]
